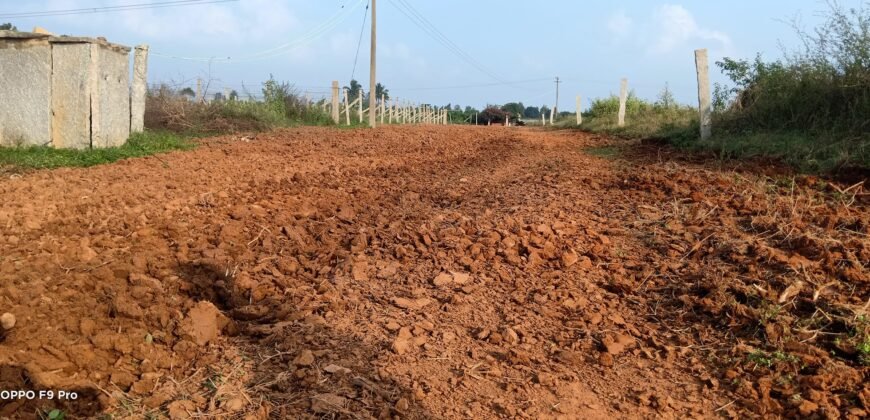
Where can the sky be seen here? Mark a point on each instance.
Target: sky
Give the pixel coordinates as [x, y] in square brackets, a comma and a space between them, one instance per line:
[506, 51]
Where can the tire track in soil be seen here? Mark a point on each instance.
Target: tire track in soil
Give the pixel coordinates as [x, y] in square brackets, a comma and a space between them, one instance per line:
[443, 272]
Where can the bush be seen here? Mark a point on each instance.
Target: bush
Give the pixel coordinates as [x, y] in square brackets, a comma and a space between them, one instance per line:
[168, 109]
[493, 114]
[823, 89]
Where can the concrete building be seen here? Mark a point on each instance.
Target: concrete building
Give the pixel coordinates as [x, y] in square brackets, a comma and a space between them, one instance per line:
[66, 92]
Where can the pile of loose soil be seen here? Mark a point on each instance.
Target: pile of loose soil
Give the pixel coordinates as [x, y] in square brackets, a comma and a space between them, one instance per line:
[446, 272]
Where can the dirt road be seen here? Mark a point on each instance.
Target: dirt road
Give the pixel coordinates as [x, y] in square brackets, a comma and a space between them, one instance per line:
[433, 272]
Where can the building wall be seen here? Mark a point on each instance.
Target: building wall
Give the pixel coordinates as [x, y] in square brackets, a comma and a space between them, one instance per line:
[113, 98]
[71, 96]
[63, 92]
[25, 92]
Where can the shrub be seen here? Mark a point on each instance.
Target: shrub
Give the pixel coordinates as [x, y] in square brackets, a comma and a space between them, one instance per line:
[168, 109]
[824, 88]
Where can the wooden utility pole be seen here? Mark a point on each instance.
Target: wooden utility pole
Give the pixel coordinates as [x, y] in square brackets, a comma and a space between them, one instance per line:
[373, 98]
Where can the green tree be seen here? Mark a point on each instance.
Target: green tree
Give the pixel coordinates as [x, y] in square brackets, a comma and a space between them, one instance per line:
[234, 96]
[545, 111]
[381, 90]
[353, 90]
[8, 27]
[532, 112]
[187, 92]
[513, 108]
[666, 99]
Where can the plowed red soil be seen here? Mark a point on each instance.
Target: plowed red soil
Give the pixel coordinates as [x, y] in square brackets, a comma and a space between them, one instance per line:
[433, 272]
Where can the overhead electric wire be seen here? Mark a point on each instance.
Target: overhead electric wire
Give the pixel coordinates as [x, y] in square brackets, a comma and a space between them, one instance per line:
[502, 83]
[359, 43]
[107, 9]
[420, 21]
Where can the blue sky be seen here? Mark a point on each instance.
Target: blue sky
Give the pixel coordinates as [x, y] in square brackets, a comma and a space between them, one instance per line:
[589, 45]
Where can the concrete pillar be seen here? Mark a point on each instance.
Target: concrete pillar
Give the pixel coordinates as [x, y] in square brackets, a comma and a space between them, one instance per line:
[552, 111]
[139, 90]
[97, 136]
[346, 108]
[199, 97]
[579, 112]
[705, 105]
[335, 115]
[623, 96]
[360, 99]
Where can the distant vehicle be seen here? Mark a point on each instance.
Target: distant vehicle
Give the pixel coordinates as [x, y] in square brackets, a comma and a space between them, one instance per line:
[518, 122]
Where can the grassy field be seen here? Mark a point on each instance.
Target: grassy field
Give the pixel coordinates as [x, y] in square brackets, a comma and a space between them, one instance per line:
[140, 144]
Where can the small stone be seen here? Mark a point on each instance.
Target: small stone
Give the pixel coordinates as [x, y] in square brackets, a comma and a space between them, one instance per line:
[233, 405]
[402, 405]
[201, 323]
[807, 407]
[413, 304]
[305, 358]
[510, 336]
[336, 369]
[327, 403]
[606, 359]
[7, 320]
[360, 271]
[181, 409]
[392, 326]
[442, 280]
[569, 258]
[403, 341]
[460, 278]
[123, 379]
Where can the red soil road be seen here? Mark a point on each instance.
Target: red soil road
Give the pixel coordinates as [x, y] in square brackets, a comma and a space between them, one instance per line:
[432, 272]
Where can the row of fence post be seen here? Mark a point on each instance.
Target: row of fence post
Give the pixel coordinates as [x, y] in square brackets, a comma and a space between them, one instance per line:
[705, 107]
[394, 112]
[387, 111]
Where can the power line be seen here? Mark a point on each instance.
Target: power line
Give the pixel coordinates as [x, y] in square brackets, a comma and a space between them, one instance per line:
[515, 82]
[106, 9]
[420, 21]
[359, 43]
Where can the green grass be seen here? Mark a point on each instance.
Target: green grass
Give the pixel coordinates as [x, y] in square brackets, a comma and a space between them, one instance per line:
[606, 152]
[806, 152]
[140, 144]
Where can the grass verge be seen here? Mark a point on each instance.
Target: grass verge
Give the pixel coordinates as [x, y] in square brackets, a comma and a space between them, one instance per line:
[139, 144]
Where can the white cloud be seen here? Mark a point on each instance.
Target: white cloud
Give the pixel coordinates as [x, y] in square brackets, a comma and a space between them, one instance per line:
[251, 20]
[675, 27]
[620, 24]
